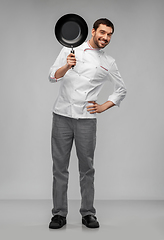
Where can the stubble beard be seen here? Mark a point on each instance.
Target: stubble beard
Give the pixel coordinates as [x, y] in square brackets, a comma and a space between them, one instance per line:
[97, 43]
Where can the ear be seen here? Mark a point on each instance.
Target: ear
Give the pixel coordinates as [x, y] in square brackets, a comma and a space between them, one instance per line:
[93, 32]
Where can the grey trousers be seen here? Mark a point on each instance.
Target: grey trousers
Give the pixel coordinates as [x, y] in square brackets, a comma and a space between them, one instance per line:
[65, 130]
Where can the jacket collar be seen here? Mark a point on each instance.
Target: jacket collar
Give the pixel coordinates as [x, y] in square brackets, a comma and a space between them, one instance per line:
[86, 46]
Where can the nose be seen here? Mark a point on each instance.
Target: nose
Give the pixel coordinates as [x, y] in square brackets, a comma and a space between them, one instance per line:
[105, 36]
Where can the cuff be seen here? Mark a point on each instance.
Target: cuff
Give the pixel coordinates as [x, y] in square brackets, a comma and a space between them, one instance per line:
[53, 79]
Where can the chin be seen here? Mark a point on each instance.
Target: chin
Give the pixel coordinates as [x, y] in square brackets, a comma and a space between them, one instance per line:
[102, 46]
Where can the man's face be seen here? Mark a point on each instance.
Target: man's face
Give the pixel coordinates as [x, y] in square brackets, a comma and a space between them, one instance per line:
[102, 36]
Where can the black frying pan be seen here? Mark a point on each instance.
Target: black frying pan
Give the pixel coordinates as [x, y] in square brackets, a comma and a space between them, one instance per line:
[71, 30]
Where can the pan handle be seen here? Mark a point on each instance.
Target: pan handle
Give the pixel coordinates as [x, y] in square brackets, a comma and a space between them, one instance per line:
[72, 51]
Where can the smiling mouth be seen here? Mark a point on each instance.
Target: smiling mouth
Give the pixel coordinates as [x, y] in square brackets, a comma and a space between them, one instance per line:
[103, 42]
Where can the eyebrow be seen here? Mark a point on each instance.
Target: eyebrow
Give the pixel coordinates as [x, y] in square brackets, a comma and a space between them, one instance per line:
[105, 31]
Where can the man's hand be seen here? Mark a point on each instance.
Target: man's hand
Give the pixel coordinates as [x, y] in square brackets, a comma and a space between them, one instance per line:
[96, 108]
[71, 60]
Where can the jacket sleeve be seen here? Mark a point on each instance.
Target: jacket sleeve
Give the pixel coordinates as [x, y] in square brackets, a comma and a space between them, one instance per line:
[61, 60]
[120, 91]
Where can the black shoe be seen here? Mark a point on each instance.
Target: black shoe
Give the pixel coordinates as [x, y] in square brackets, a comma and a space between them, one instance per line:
[90, 221]
[57, 222]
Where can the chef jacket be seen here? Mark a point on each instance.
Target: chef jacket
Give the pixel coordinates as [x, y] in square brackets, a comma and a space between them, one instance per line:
[84, 81]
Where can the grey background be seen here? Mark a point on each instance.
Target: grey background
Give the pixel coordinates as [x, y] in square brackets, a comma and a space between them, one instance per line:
[129, 156]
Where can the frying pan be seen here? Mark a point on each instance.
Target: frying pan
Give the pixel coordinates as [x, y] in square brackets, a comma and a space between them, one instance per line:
[71, 30]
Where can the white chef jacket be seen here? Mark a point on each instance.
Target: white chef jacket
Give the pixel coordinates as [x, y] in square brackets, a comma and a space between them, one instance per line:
[84, 82]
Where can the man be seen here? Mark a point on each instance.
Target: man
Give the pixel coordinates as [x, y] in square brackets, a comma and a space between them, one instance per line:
[74, 117]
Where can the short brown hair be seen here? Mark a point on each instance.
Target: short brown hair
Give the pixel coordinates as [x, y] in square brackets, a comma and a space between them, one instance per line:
[104, 21]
